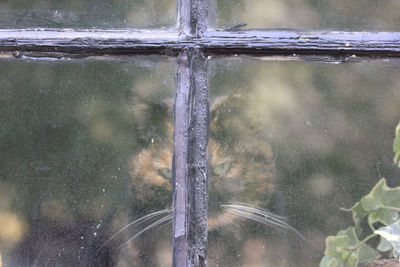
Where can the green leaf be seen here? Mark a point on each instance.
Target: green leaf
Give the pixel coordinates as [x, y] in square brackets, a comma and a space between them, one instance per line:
[358, 213]
[384, 245]
[383, 216]
[342, 247]
[396, 146]
[336, 245]
[392, 234]
[328, 261]
[366, 253]
[382, 204]
[351, 234]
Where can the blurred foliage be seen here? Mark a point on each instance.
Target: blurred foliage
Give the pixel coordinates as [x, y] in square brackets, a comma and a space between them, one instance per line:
[12, 230]
[70, 130]
[307, 14]
[330, 127]
[300, 14]
[87, 13]
[67, 135]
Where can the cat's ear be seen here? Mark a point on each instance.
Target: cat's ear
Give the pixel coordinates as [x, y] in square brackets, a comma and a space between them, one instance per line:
[220, 101]
[216, 102]
[169, 103]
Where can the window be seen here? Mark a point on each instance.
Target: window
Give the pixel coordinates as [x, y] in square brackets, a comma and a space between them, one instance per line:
[92, 124]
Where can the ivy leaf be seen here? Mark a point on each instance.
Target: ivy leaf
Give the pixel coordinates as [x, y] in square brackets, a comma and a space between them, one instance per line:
[367, 253]
[396, 146]
[392, 234]
[383, 216]
[382, 196]
[384, 245]
[328, 261]
[336, 246]
[382, 204]
[339, 250]
[358, 213]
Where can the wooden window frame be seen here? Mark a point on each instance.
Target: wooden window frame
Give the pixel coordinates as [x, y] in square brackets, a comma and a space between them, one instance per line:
[192, 44]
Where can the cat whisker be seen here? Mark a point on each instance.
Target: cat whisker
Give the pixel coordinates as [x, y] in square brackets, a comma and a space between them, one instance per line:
[155, 224]
[135, 222]
[252, 216]
[267, 220]
[254, 209]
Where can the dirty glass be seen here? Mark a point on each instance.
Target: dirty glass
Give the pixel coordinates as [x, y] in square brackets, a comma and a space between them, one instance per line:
[87, 13]
[300, 140]
[307, 14]
[85, 150]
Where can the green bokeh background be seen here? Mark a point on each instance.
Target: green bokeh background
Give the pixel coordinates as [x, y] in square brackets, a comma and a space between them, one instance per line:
[69, 129]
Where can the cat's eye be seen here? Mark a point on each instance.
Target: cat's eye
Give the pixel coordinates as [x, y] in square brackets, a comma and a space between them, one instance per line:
[166, 173]
[222, 169]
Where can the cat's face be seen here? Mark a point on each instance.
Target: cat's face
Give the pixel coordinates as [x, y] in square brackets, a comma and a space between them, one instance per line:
[241, 182]
[241, 166]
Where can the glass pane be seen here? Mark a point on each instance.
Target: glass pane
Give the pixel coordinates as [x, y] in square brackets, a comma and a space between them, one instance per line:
[301, 141]
[87, 13]
[308, 14]
[78, 162]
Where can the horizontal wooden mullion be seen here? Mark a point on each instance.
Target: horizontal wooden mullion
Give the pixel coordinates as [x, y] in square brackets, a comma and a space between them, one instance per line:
[251, 42]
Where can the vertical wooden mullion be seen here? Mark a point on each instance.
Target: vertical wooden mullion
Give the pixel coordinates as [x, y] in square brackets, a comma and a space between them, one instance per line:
[191, 131]
[198, 161]
[192, 17]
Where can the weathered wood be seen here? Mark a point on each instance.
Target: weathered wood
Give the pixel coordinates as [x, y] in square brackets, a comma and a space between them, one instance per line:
[192, 17]
[190, 167]
[198, 161]
[251, 42]
[90, 42]
[180, 169]
[190, 194]
[286, 42]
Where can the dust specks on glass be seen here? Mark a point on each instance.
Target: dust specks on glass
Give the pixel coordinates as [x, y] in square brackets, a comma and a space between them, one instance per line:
[86, 172]
[87, 14]
[295, 14]
[301, 140]
[71, 137]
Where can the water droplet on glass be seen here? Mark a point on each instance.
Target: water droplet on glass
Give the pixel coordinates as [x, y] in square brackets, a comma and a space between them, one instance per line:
[17, 54]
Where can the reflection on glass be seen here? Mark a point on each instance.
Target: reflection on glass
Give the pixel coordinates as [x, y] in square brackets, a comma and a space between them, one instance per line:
[298, 140]
[308, 14]
[87, 13]
[77, 166]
